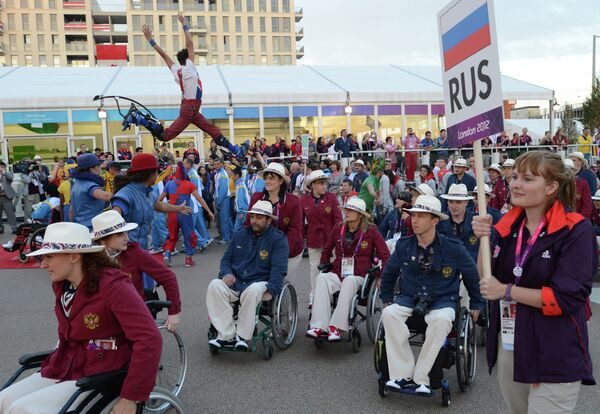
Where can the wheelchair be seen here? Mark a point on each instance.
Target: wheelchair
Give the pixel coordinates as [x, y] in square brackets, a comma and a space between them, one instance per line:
[102, 391]
[276, 321]
[368, 296]
[460, 350]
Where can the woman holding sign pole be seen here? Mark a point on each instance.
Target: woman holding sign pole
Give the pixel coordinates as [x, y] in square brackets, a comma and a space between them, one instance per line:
[544, 255]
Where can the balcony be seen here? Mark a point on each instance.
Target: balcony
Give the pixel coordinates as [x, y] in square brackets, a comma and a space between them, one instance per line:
[198, 29]
[76, 26]
[107, 27]
[74, 4]
[201, 50]
[300, 34]
[299, 14]
[77, 47]
[300, 53]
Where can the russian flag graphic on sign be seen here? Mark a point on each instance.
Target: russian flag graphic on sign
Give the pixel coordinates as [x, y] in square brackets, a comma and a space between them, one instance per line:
[466, 37]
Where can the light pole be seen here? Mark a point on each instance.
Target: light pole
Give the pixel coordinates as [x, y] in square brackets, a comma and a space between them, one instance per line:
[594, 59]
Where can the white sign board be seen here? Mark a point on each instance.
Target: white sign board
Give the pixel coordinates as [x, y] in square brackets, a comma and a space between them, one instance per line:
[471, 71]
[305, 138]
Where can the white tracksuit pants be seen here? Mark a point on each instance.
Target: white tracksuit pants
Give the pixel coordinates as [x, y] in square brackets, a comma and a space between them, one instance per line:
[401, 362]
[219, 297]
[326, 285]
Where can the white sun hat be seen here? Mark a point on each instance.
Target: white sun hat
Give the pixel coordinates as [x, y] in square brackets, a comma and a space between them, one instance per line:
[457, 192]
[66, 238]
[495, 167]
[315, 176]
[488, 191]
[569, 163]
[275, 168]
[460, 162]
[596, 196]
[428, 204]
[577, 154]
[262, 207]
[422, 189]
[357, 204]
[509, 162]
[109, 222]
[361, 162]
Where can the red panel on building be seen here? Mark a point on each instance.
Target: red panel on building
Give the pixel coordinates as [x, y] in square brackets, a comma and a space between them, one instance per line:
[111, 52]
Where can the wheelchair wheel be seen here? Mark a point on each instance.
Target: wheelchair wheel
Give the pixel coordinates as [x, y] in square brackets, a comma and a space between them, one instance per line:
[377, 351]
[383, 391]
[22, 257]
[284, 319]
[164, 397]
[446, 400]
[267, 349]
[465, 351]
[356, 341]
[173, 363]
[374, 309]
[36, 240]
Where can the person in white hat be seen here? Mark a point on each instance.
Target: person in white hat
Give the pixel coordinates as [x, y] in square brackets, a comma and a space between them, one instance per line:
[286, 207]
[103, 325]
[459, 176]
[252, 269]
[581, 169]
[110, 230]
[596, 213]
[583, 197]
[501, 191]
[431, 265]
[359, 176]
[321, 213]
[355, 243]
[495, 213]
[495, 173]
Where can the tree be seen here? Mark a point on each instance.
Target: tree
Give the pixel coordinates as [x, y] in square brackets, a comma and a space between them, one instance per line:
[591, 108]
[568, 124]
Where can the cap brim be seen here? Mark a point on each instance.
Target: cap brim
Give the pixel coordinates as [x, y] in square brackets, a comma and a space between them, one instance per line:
[442, 216]
[128, 227]
[449, 197]
[40, 252]
[261, 173]
[256, 212]
[364, 213]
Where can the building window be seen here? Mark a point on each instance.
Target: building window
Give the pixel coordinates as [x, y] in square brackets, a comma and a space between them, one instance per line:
[27, 42]
[225, 23]
[226, 43]
[212, 5]
[53, 22]
[38, 4]
[137, 42]
[11, 22]
[152, 60]
[286, 44]
[238, 24]
[285, 6]
[285, 24]
[287, 60]
[213, 23]
[213, 44]
[263, 24]
[10, 4]
[262, 6]
[14, 60]
[175, 42]
[148, 20]
[202, 43]
[263, 43]
[135, 23]
[250, 43]
[25, 19]
[201, 22]
[161, 23]
[227, 60]
[39, 22]
[250, 24]
[249, 5]
[274, 6]
[24, 4]
[141, 60]
[55, 42]
[56, 60]
[238, 44]
[239, 59]
[263, 60]
[12, 43]
[276, 60]
[174, 23]
[41, 43]
[201, 60]
[275, 44]
[275, 24]
[237, 5]
[163, 41]
[252, 60]
[215, 60]
[43, 61]
[28, 60]
[225, 5]
[52, 4]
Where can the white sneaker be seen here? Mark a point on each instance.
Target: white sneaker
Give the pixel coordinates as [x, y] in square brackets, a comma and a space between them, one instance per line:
[154, 251]
[241, 344]
[400, 383]
[423, 389]
[8, 245]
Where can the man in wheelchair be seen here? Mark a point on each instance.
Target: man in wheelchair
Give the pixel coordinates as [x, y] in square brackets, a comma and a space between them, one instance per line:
[252, 270]
[429, 266]
[356, 244]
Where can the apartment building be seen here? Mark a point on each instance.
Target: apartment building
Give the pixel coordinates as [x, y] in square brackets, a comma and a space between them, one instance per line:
[81, 33]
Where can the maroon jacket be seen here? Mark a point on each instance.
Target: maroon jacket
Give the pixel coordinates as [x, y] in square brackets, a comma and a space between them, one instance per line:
[321, 216]
[583, 198]
[372, 245]
[135, 261]
[118, 312]
[502, 194]
[289, 221]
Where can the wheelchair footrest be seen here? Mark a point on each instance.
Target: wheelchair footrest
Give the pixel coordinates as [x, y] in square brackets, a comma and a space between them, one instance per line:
[35, 358]
[409, 391]
[106, 379]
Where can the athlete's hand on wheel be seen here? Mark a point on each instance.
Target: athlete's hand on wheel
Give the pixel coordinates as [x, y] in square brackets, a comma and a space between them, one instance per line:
[181, 18]
[172, 322]
[147, 31]
[124, 406]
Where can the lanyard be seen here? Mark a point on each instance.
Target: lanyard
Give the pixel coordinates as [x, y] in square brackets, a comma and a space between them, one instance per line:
[520, 259]
[342, 231]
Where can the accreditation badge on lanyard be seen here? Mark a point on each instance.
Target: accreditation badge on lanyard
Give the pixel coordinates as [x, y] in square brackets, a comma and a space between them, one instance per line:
[508, 309]
[348, 262]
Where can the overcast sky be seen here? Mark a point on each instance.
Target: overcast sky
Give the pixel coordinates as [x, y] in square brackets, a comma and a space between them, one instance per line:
[545, 42]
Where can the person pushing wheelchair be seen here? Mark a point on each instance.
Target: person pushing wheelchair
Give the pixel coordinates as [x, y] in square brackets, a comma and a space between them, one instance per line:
[429, 266]
[252, 270]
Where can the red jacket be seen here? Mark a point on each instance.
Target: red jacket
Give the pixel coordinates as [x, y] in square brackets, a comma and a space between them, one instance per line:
[135, 261]
[372, 245]
[502, 194]
[289, 213]
[296, 151]
[117, 312]
[321, 216]
[583, 198]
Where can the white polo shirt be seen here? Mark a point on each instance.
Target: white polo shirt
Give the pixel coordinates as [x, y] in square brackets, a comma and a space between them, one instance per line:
[188, 80]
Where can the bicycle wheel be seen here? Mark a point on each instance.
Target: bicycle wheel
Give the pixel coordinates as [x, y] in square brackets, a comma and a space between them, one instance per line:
[374, 309]
[172, 367]
[284, 320]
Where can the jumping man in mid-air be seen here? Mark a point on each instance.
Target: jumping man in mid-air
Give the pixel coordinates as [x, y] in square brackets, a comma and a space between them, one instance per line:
[186, 76]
